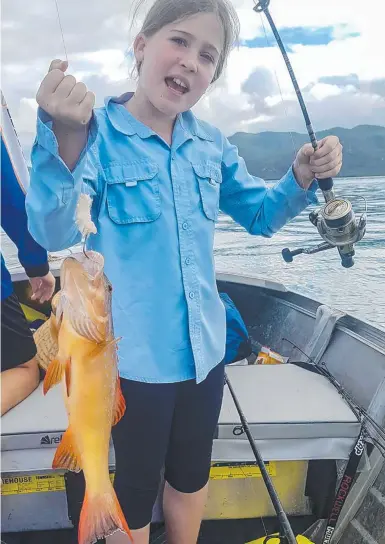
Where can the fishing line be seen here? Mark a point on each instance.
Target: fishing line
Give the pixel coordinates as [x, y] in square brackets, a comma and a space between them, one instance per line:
[263, 6]
[281, 95]
[264, 527]
[86, 237]
[61, 29]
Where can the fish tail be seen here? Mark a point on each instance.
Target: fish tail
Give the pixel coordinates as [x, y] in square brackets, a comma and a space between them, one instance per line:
[101, 515]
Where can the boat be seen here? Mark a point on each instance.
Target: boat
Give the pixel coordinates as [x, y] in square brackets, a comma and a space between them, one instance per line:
[301, 424]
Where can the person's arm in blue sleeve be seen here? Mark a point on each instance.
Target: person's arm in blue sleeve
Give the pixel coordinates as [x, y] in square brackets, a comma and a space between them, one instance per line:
[54, 189]
[32, 256]
[251, 203]
[264, 211]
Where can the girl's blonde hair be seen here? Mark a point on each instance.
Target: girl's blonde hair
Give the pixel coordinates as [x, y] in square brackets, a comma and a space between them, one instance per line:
[165, 12]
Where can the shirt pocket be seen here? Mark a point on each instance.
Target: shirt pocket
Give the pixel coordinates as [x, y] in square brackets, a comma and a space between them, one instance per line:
[133, 192]
[209, 178]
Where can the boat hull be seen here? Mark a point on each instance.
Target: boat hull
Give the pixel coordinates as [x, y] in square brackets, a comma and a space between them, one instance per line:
[284, 321]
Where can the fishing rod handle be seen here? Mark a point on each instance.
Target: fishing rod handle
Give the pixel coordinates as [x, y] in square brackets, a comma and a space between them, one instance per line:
[325, 184]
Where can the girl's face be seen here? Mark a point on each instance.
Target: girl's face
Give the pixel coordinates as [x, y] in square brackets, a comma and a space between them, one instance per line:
[178, 62]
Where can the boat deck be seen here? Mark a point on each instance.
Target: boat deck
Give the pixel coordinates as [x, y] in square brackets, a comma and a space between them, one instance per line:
[212, 532]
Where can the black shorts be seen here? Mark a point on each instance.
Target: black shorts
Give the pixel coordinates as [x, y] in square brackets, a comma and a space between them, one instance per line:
[17, 343]
[165, 426]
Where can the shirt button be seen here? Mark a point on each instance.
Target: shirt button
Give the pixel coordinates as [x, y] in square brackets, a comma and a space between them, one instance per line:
[185, 225]
[188, 260]
[191, 294]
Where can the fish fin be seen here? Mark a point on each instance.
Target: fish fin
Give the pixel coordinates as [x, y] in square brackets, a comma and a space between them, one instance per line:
[53, 375]
[67, 371]
[103, 346]
[120, 404]
[101, 515]
[67, 455]
[54, 327]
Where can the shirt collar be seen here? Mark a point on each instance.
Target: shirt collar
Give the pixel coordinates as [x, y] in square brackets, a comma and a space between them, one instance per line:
[191, 125]
[124, 122]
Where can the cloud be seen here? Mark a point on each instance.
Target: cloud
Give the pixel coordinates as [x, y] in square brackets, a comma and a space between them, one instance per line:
[341, 81]
[345, 102]
[335, 109]
[259, 83]
[336, 49]
[375, 87]
[33, 30]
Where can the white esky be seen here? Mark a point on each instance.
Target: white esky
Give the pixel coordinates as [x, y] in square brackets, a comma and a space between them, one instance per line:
[246, 98]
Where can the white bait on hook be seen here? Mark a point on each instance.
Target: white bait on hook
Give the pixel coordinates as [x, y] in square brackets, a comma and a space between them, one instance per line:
[83, 216]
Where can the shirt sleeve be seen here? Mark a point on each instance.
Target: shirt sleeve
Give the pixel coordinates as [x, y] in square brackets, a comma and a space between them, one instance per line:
[54, 190]
[251, 203]
[32, 256]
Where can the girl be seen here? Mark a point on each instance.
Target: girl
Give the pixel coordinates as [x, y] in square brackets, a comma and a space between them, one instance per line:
[158, 176]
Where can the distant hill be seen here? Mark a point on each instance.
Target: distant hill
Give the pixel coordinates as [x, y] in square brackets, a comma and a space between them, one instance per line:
[269, 154]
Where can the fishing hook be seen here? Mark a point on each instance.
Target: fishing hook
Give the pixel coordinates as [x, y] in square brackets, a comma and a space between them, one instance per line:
[84, 246]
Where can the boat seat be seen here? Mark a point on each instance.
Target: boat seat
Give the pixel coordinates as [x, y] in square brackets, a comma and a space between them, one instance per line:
[293, 414]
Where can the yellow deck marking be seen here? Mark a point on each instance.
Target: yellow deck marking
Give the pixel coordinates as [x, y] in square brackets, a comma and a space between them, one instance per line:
[43, 483]
[39, 483]
[240, 470]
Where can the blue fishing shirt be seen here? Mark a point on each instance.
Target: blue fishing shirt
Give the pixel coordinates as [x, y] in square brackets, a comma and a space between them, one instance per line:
[155, 208]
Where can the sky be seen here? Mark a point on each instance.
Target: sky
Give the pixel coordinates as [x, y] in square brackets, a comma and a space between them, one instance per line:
[336, 48]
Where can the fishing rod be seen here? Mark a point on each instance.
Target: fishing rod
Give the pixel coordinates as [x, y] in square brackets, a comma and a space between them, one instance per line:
[335, 221]
[288, 536]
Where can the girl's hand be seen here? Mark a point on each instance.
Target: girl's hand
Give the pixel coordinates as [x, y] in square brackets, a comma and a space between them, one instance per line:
[67, 101]
[326, 162]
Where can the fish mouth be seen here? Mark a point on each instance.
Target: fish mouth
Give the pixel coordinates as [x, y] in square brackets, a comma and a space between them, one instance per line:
[88, 266]
[84, 297]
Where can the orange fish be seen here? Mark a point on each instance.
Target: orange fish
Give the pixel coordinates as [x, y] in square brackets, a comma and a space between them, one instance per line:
[86, 363]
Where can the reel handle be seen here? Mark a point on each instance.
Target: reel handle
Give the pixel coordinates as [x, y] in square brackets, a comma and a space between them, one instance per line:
[288, 254]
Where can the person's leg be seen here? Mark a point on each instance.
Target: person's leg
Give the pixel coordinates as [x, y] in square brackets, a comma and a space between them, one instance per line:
[19, 368]
[18, 383]
[183, 514]
[188, 458]
[140, 441]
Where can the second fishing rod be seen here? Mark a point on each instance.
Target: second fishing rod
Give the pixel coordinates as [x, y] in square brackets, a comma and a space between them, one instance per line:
[288, 536]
